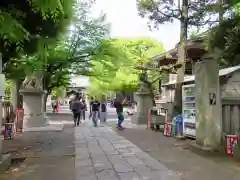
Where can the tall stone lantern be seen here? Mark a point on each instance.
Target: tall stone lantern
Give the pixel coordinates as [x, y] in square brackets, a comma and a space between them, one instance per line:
[144, 100]
[33, 105]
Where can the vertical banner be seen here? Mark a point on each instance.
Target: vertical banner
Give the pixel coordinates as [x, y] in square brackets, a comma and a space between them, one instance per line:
[19, 117]
[231, 142]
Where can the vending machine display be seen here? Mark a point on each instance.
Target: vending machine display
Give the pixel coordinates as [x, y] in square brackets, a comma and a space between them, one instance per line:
[189, 110]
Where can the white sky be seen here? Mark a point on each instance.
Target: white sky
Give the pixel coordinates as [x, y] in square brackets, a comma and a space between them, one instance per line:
[125, 22]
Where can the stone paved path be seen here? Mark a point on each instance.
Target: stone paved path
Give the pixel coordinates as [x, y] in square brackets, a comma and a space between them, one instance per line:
[101, 154]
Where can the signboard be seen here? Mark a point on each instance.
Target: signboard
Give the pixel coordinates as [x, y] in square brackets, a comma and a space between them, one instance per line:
[212, 98]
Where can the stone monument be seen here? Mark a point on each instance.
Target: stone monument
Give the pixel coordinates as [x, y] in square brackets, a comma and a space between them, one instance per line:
[208, 105]
[144, 101]
[33, 104]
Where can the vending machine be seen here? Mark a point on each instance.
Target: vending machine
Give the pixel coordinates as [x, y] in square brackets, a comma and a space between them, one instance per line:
[189, 110]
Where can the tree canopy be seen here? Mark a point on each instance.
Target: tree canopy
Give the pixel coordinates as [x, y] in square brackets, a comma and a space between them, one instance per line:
[117, 72]
[223, 40]
[58, 58]
[24, 23]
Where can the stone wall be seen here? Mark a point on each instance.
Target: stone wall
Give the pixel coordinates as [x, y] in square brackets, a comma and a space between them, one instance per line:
[208, 114]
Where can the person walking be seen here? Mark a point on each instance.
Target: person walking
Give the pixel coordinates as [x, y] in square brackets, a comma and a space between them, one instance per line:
[58, 106]
[94, 112]
[83, 109]
[76, 106]
[54, 105]
[118, 104]
[103, 113]
[90, 104]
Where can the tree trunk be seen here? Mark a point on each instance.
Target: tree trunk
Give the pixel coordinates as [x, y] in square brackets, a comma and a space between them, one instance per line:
[181, 59]
[45, 102]
[15, 95]
[45, 88]
[160, 86]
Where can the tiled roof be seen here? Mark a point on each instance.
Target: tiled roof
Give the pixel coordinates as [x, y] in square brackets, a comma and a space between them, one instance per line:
[222, 72]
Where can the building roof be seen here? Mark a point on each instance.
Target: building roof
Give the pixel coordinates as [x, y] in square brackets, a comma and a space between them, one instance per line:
[222, 72]
[196, 42]
[79, 81]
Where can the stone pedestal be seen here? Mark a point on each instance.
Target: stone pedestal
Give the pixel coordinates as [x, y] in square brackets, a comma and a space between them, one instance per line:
[208, 105]
[33, 108]
[144, 102]
[34, 116]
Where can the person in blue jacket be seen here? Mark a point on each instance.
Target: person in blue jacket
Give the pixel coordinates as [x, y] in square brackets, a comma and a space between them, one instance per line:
[118, 104]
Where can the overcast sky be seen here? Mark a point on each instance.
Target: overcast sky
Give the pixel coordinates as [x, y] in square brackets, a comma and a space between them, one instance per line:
[125, 22]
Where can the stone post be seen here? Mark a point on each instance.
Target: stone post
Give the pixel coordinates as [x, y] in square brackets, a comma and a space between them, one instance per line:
[208, 105]
[33, 108]
[144, 102]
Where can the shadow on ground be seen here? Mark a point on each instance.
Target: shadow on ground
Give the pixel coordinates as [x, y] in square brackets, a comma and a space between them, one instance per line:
[41, 155]
[176, 155]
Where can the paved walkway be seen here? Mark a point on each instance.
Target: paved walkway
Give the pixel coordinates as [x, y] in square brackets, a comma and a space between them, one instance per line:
[49, 156]
[88, 153]
[101, 154]
[178, 156]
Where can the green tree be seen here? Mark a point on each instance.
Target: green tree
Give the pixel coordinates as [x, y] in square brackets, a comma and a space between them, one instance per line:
[70, 54]
[23, 27]
[188, 13]
[223, 40]
[7, 93]
[59, 92]
[194, 34]
[118, 72]
[23, 23]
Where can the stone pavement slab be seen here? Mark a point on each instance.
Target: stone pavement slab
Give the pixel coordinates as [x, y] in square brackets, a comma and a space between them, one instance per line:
[101, 154]
[176, 155]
